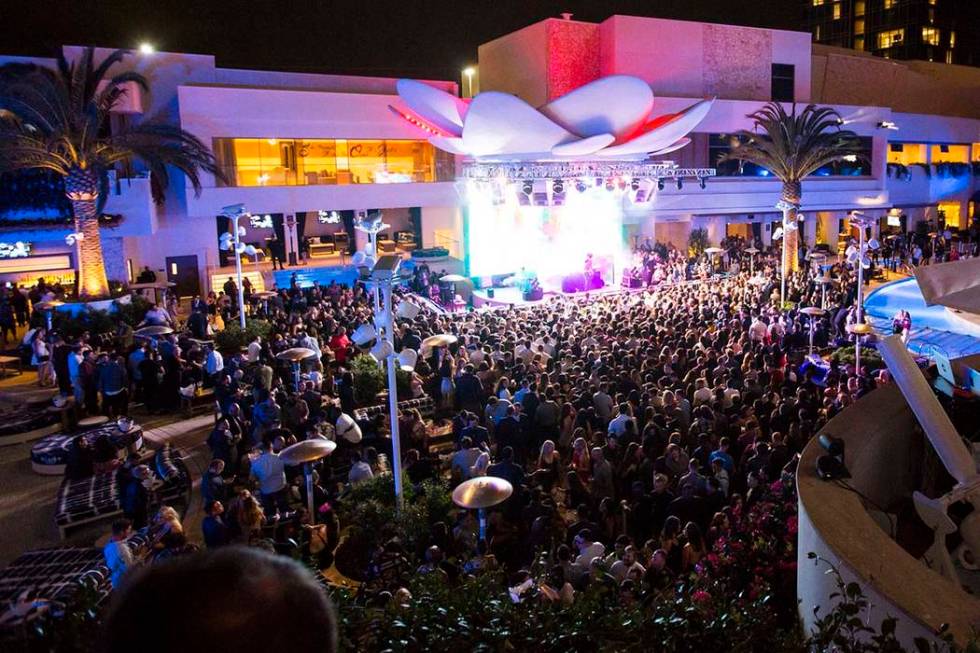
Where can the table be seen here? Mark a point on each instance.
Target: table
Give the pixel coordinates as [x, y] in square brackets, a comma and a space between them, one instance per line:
[50, 454]
[6, 360]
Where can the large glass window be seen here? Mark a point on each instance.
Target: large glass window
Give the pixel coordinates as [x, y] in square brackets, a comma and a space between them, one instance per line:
[930, 35]
[890, 38]
[950, 153]
[719, 144]
[291, 162]
[907, 153]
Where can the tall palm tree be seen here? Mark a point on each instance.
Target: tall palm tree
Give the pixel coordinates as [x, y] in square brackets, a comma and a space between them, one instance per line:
[58, 120]
[792, 147]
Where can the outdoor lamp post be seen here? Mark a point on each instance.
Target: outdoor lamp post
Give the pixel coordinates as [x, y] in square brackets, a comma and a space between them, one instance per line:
[858, 257]
[233, 242]
[469, 71]
[813, 312]
[751, 251]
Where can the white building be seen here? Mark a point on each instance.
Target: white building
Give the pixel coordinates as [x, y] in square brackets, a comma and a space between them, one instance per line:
[295, 144]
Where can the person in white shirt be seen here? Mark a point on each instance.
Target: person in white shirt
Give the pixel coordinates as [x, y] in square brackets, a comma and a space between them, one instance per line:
[617, 426]
[587, 549]
[270, 472]
[254, 351]
[702, 394]
[603, 402]
[308, 341]
[360, 471]
[118, 557]
[215, 362]
[758, 330]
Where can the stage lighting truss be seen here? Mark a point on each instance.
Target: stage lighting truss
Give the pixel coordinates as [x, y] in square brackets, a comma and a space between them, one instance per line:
[548, 183]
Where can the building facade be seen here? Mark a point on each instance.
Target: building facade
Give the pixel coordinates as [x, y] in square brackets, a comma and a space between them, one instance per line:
[314, 149]
[928, 30]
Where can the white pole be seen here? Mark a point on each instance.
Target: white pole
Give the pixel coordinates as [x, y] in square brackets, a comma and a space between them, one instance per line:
[860, 298]
[238, 271]
[811, 335]
[396, 447]
[782, 266]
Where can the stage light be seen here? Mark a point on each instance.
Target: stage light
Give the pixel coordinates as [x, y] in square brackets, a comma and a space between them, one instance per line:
[557, 187]
[580, 186]
[887, 124]
[407, 358]
[702, 183]
[527, 188]
[147, 48]
[610, 184]
[680, 183]
[660, 184]
[635, 185]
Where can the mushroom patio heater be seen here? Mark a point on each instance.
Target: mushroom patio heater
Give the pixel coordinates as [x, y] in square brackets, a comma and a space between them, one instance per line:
[306, 453]
[295, 356]
[481, 493]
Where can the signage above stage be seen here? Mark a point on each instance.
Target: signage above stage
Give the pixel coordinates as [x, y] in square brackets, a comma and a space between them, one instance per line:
[15, 250]
[565, 170]
[609, 119]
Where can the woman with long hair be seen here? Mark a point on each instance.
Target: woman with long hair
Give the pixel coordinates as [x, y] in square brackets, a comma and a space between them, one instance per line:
[581, 460]
[548, 466]
[694, 549]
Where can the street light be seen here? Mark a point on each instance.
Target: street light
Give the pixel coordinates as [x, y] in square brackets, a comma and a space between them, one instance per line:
[382, 277]
[469, 71]
[813, 312]
[233, 242]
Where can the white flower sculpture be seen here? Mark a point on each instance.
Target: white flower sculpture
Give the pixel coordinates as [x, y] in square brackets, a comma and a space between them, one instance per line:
[609, 118]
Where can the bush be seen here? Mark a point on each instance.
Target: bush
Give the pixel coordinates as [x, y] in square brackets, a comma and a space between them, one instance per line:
[133, 312]
[870, 358]
[232, 339]
[369, 379]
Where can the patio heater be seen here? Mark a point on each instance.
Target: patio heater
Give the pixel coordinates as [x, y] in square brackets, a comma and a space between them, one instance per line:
[295, 356]
[481, 493]
[233, 242]
[813, 312]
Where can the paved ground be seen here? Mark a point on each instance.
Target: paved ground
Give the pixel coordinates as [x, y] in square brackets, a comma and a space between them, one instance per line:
[27, 500]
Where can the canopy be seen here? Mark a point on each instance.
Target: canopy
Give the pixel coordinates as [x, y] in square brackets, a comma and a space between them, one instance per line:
[954, 285]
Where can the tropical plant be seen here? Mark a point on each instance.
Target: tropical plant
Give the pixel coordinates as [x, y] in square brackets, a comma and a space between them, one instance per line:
[697, 241]
[232, 339]
[58, 120]
[793, 146]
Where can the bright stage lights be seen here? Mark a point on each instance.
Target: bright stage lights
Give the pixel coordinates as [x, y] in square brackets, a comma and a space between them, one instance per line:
[635, 185]
[147, 48]
[558, 187]
[527, 188]
[580, 185]
[610, 185]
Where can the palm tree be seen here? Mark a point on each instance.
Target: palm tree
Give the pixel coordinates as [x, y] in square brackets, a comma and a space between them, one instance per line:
[58, 120]
[792, 147]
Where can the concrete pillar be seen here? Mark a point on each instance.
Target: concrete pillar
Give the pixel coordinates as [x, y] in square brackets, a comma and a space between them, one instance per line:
[809, 231]
[830, 228]
[766, 233]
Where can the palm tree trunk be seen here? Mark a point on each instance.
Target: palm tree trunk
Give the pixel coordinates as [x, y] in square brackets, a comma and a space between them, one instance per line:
[791, 196]
[91, 267]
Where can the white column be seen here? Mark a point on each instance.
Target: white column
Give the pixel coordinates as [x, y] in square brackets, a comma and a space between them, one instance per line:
[292, 239]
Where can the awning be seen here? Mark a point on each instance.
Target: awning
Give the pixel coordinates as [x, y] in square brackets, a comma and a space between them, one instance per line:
[955, 285]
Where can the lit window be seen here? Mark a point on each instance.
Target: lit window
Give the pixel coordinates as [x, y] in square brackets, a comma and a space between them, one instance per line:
[930, 35]
[817, 3]
[949, 56]
[859, 8]
[932, 2]
[859, 26]
[890, 38]
[816, 33]
[890, 3]
[952, 39]
[836, 11]
[859, 43]
[932, 15]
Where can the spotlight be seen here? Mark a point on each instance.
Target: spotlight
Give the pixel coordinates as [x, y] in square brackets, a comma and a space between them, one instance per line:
[660, 184]
[527, 188]
[702, 183]
[680, 183]
[147, 48]
[557, 187]
[635, 185]
[580, 186]
[831, 466]
[610, 184]
[887, 124]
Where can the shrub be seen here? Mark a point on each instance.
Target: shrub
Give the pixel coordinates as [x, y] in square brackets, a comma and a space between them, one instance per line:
[369, 379]
[232, 339]
[870, 358]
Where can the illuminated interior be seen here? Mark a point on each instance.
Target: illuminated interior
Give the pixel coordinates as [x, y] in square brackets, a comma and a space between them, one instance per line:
[950, 153]
[292, 162]
[951, 210]
[548, 241]
[907, 153]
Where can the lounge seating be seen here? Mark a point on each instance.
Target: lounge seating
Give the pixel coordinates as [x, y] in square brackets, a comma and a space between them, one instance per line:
[97, 498]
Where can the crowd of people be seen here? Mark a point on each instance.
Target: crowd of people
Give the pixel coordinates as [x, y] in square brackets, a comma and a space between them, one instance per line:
[637, 427]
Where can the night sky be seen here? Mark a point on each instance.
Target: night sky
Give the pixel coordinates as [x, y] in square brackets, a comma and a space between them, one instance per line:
[429, 39]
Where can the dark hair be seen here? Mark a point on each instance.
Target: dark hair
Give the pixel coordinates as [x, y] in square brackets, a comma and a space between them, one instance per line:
[230, 599]
[120, 526]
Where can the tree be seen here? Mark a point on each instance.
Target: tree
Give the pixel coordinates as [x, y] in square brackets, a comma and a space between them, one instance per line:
[792, 147]
[58, 120]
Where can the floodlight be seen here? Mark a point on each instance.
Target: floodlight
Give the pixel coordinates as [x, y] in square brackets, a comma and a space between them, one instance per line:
[407, 358]
[363, 335]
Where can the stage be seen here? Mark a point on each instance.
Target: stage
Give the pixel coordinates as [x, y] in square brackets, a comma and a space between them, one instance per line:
[508, 296]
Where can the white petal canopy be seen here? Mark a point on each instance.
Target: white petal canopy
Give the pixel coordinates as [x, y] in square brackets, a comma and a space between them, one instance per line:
[608, 118]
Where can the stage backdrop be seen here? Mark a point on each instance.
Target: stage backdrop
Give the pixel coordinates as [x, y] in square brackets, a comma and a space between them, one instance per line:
[548, 241]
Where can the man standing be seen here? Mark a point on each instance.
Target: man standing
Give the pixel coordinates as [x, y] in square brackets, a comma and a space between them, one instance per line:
[118, 558]
[270, 472]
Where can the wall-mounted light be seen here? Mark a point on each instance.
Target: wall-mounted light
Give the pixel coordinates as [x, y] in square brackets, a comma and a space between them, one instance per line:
[887, 124]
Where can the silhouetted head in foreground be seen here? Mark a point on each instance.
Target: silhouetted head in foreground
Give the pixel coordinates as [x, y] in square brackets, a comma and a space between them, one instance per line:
[231, 599]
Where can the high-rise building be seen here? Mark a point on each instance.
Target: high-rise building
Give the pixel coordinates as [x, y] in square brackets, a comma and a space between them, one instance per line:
[930, 30]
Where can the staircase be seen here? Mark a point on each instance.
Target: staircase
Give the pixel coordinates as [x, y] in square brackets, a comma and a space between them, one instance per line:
[926, 340]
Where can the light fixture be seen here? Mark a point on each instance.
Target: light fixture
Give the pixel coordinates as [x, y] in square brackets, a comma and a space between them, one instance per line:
[680, 183]
[407, 358]
[580, 185]
[363, 335]
[635, 185]
[468, 71]
[557, 187]
[610, 184]
[382, 350]
[527, 188]
[270, 141]
[408, 310]
[147, 48]
[852, 158]
[887, 124]
[702, 183]
[660, 184]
